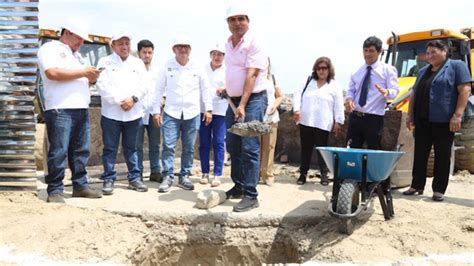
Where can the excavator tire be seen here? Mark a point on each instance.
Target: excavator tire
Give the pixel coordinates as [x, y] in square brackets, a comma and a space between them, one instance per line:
[465, 157]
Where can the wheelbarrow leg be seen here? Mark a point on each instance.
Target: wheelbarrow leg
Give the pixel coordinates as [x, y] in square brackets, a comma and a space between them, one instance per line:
[380, 193]
[387, 187]
[336, 184]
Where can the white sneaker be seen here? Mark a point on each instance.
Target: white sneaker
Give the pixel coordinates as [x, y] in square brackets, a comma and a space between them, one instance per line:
[204, 179]
[216, 181]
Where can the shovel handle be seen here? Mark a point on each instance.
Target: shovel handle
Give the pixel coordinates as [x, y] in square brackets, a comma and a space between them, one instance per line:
[231, 104]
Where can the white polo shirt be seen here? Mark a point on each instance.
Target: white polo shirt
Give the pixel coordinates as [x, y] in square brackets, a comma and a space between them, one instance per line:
[217, 80]
[72, 94]
[184, 87]
[119, 81]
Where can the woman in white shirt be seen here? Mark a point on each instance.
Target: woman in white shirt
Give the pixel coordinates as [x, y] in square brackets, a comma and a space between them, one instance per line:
[213, 134]
[318, 109]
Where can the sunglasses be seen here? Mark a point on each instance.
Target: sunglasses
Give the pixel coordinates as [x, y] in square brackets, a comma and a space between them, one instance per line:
[322, 68]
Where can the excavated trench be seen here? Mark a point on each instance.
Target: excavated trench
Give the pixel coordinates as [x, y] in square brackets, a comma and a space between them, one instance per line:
[211, 241]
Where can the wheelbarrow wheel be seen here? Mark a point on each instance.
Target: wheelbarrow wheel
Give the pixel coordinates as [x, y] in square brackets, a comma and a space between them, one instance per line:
[346, 197]
[347, 201]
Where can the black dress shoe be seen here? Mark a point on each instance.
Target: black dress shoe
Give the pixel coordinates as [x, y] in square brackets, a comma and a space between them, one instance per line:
[301, 180]
[413, 191]
[246, 204]
[234, 193]
[157, 177]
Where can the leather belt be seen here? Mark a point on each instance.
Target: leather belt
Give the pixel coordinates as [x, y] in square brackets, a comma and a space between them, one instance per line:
[236, 99]
[360, 114]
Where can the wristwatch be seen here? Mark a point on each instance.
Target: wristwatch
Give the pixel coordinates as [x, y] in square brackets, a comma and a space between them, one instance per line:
[135, 99]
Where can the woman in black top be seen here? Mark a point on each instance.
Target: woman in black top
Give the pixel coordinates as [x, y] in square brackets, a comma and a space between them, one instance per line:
[437, 103]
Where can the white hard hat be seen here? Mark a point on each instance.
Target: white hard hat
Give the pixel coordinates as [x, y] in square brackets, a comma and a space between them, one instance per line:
[236, 10]
[119, 35]
[182, 39]
[218, 47]
[77, 27]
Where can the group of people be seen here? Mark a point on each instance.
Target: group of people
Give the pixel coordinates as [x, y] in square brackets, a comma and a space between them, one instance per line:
[319, 105]
[436, 106]
[185, 99]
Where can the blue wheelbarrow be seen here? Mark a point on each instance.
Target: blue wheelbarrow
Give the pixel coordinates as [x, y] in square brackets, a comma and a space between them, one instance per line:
[358, 173]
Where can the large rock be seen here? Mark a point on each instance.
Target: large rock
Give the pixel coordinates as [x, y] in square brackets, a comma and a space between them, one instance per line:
[210, 198]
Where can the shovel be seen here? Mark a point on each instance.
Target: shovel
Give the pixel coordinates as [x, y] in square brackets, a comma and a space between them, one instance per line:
[246, 129]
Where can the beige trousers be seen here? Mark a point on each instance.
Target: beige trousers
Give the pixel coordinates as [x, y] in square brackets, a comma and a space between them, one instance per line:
[267, 154]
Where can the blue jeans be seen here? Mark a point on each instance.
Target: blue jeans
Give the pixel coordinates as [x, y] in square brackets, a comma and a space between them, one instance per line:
[154, 135]
[111, 131]
[68, 136]
[172, 128]
[215, 133]
[245, 151]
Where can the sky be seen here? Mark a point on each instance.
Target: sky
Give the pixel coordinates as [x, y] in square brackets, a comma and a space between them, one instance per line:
[295, 32]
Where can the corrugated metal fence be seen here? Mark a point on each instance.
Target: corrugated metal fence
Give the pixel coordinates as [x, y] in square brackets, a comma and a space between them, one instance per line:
[18, 48]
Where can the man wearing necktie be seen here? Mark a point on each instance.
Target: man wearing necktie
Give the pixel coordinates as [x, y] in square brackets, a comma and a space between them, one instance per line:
[369, 89]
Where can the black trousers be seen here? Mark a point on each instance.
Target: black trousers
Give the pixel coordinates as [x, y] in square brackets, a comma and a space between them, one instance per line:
[310, 138]
[365, 128]
[429, 134]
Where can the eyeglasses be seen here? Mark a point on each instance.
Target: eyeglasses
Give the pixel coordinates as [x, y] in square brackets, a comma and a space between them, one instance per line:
[322, 68]
[179, 46]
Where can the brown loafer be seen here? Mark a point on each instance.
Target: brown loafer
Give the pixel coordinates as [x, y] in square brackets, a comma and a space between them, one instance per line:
[55, 198]
[86, 193]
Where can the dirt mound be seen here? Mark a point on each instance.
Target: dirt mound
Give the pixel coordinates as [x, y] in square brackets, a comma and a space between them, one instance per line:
[65, 233]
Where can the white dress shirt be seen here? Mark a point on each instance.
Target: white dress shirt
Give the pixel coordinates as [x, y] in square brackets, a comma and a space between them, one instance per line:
[216, 80]
[320, 107]
[151, 75]
[119, 81]
[270, 87]
[72, 94]
[383, 74]
[184, 86]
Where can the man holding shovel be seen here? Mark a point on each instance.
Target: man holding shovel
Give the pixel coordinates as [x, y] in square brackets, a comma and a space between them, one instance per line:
[246, 70]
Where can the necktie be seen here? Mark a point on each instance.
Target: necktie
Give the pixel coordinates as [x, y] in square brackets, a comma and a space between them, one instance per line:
[365, 88]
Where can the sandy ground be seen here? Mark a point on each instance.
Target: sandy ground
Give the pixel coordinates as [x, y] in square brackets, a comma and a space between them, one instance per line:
[35, 232]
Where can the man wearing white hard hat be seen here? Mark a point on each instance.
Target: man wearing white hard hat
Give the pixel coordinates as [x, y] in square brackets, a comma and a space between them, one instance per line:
[246, 71]
[186, 84]
[214, 133]
[66, 81]
[121, 89]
